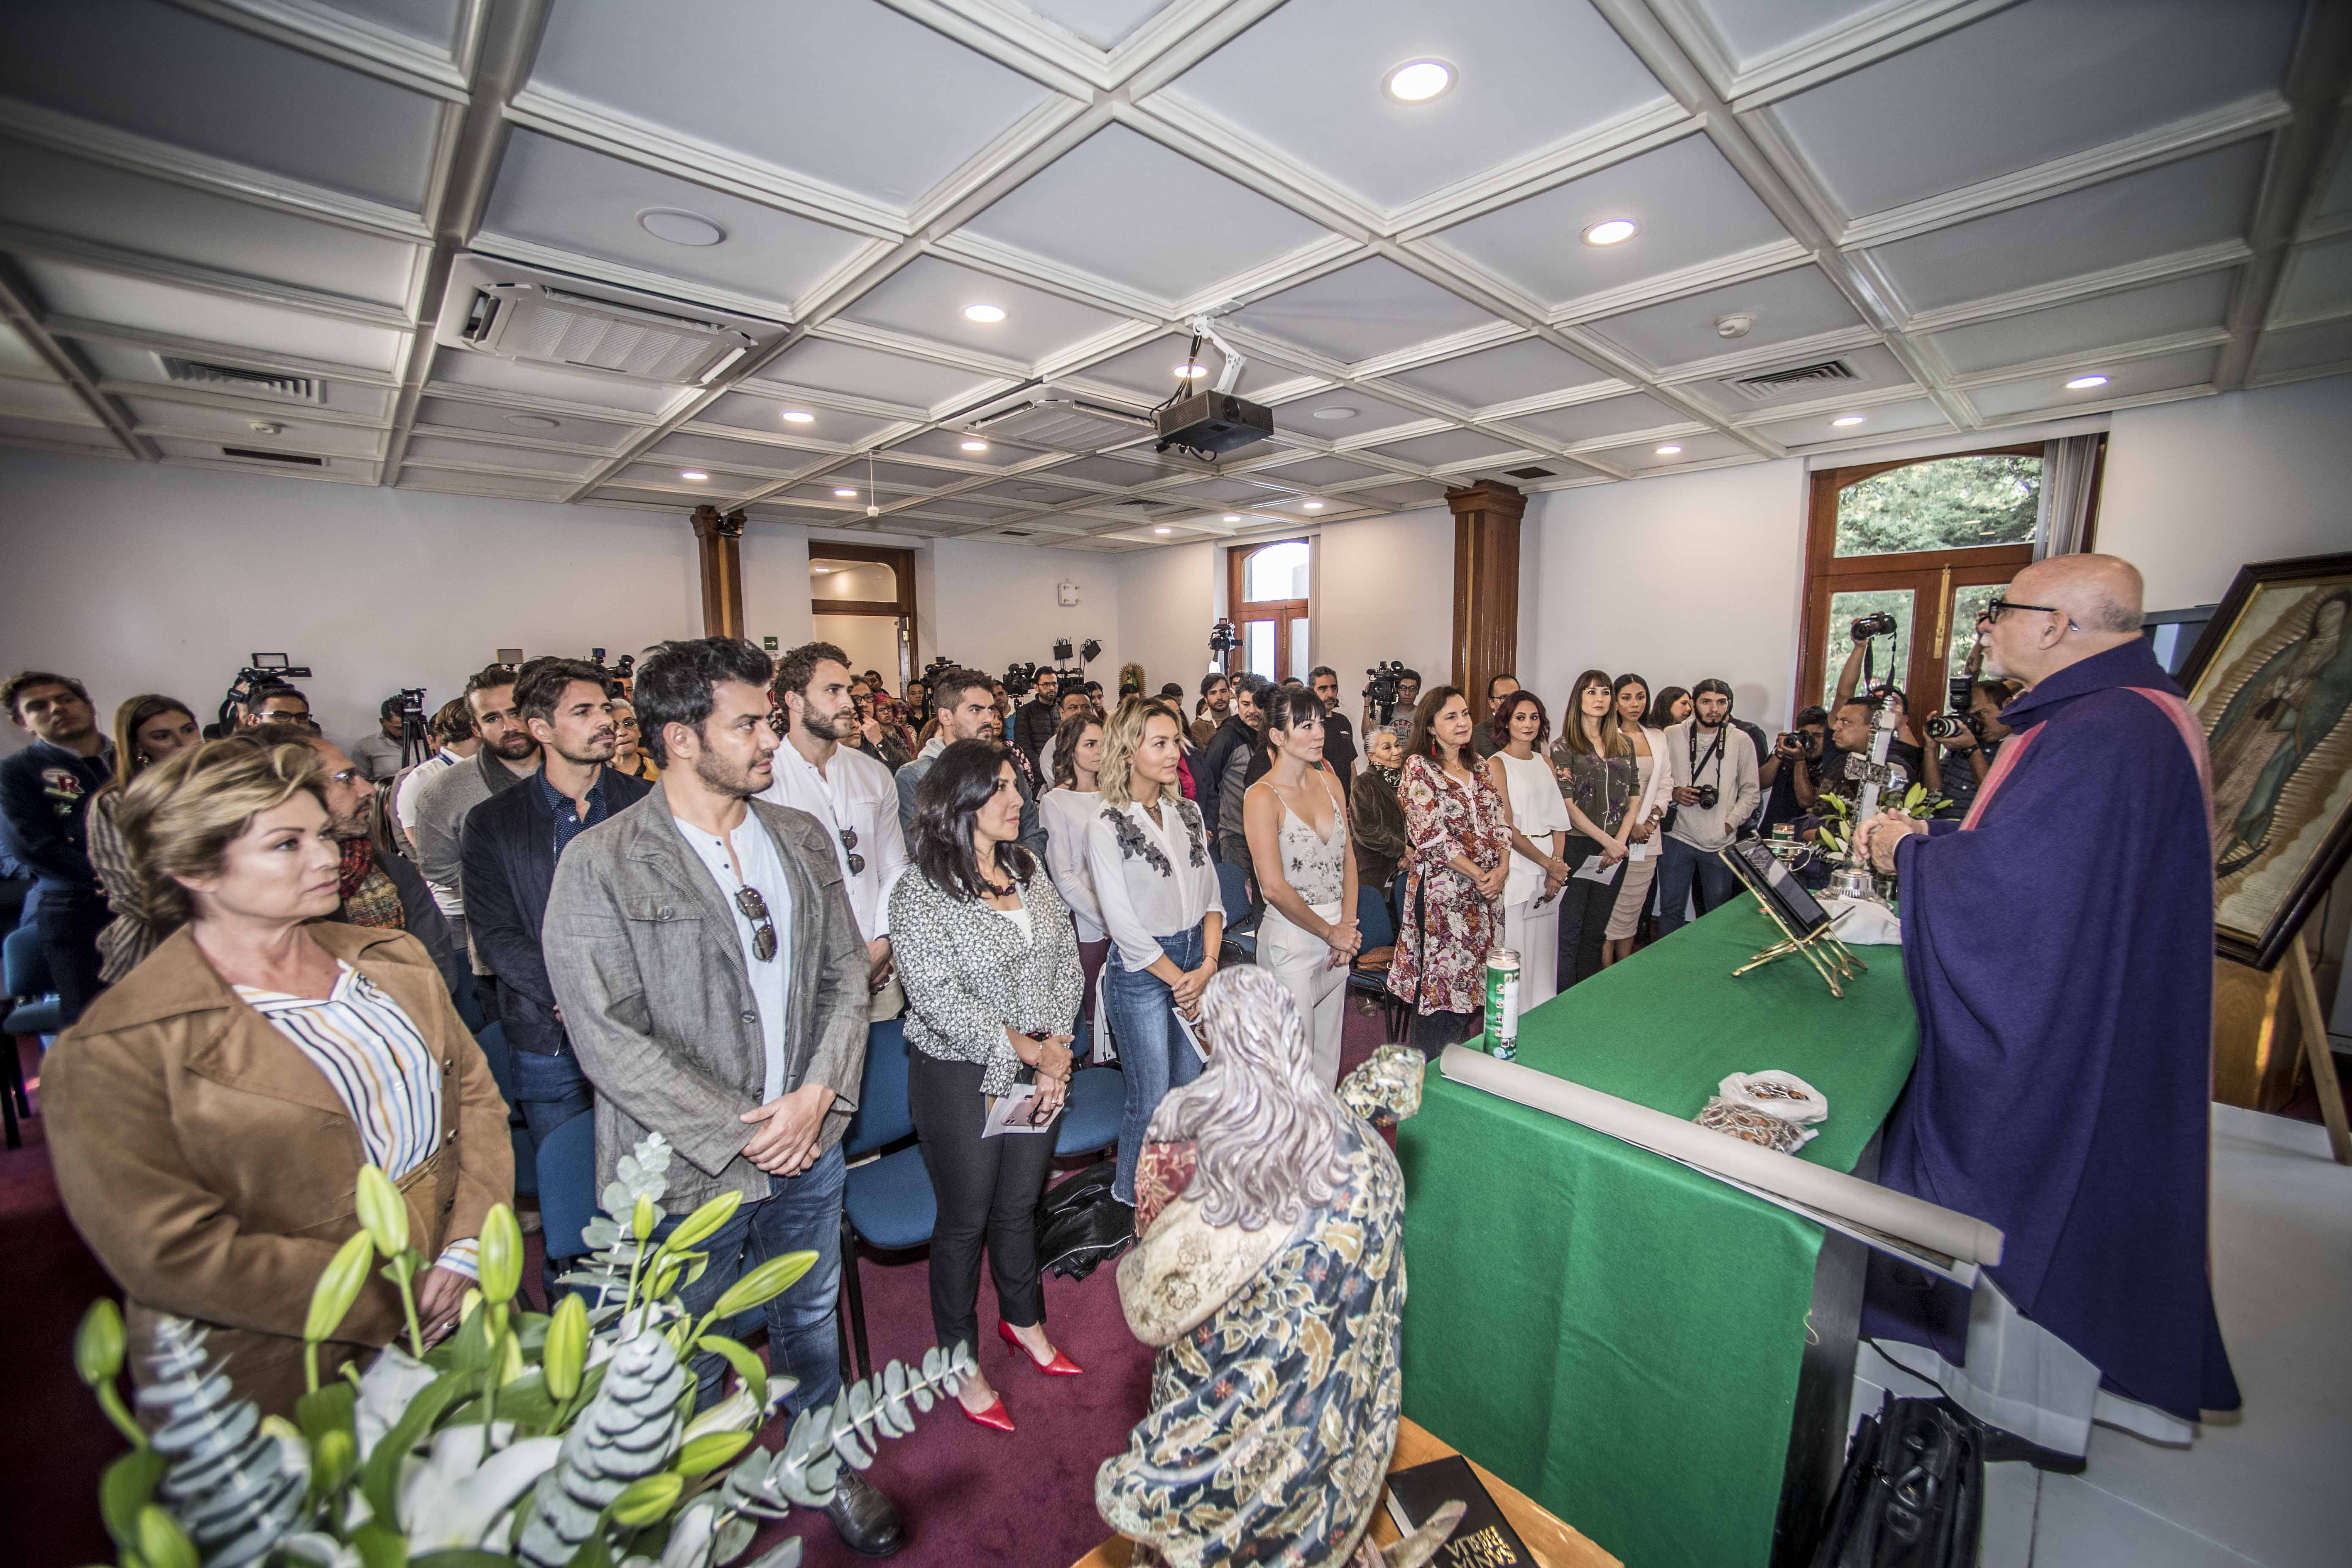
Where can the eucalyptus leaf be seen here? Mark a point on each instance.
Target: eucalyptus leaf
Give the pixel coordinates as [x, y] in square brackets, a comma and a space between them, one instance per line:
[125, 1488]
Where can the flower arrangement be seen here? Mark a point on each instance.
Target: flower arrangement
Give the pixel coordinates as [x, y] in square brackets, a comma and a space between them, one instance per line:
[1836, 812]
[561, 1440]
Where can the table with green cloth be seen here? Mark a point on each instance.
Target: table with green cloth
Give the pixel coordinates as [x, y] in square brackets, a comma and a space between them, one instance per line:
[1612, 1332]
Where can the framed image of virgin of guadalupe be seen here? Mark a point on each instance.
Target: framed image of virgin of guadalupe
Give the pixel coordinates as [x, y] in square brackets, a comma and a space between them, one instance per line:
[2271, 680]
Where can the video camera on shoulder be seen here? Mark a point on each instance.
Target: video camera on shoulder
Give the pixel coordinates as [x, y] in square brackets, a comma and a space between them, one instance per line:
[266, 669]
[615, 675]
[1020, 678]
[1383, 685]
[1223, 638]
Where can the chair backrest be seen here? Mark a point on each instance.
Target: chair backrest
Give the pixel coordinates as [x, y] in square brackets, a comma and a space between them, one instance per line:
[567, 1184]
[26, 966]
[883, 1116]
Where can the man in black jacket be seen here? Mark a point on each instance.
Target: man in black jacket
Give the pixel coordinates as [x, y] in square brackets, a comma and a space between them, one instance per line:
[1035, 722]
[511, 844]
[45, 795]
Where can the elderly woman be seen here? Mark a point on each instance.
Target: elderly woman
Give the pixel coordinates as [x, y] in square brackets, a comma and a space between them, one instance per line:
[147, 729]
[210, 1114]
[990, 967]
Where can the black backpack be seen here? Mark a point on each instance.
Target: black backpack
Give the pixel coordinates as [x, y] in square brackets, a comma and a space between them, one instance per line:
[1913, 1492]
[1080, 1224]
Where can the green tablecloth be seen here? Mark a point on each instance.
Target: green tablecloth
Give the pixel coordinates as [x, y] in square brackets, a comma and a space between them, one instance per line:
[1613, 1333]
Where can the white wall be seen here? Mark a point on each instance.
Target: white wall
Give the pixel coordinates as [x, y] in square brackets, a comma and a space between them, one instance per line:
[2194, 489]
[135, 577]
[1673, 579]
[1167, 602]
[870, 641]
[988, 606]
[1385, 590]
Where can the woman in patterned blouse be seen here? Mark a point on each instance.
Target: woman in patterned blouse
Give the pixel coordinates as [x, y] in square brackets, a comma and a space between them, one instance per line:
[1460, 839]
[989, 961]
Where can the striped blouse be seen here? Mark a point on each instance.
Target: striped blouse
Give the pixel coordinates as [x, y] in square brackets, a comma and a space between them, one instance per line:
[379, 1066]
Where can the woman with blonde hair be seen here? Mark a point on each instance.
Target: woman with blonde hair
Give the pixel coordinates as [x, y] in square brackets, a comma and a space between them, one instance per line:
[208, 1115]
[1600, 781]
[147, 729]
[1147, 856]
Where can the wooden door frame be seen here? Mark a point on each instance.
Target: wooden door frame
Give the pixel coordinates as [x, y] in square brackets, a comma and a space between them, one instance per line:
[1281, 612]
[901, 562]
[1828, 574]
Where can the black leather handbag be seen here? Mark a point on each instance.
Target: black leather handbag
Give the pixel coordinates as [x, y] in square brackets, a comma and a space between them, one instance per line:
[1913, 1492]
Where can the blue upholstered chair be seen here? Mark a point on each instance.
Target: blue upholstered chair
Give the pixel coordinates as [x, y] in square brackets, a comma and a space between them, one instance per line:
[1090, 1117]
[888, 1202]
[32, 1010]
[1369, 973]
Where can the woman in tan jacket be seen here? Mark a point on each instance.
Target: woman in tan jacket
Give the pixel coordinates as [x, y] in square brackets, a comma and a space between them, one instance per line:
[209, 1115]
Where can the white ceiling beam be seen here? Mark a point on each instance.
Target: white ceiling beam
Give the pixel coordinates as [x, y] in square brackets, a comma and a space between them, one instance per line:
[16, 307]
[341, 38]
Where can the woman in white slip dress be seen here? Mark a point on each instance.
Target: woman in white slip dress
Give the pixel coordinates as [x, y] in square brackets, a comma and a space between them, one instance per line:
[1641, 827]
[1539, 829]
[1297, 821]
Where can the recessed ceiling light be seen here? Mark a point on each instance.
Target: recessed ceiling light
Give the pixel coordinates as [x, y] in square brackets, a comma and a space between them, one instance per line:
[1418, 81]
[1338, 411]
[1668, 450]
[845, 489]
[1162, 528]
[983, 313]
[532, 421]
[1844, 420]
[1232, 517]
[1312, 505]
[697, 475]
[820, 571]
[1614, 231]
[2085, 383]
[975, 444]
[799, 416]
[1191, 370]
[680, 227]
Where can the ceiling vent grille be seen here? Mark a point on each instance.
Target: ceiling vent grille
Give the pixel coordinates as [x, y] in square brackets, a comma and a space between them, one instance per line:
[1528, 473]
[1757, 389]
[256, 455]
[531, 322]
[1063, 423]
[1013, 534]
[246, 383]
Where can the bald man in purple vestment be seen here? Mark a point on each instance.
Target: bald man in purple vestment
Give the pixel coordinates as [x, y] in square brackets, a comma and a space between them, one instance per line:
[2059, 947]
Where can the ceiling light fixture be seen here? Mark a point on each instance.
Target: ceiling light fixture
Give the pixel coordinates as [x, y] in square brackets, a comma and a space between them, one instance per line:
[983, 313]
[1312, 505]
[1232, 517]
[1668, 450]
[1418, 81]
[2085, 383]
[1162, 528]
[1843, 420]
[532, 421]
[1191, 370]
[799, 416]
[1613, 231]
[820, 571]
[845, 490]
[697, 475]
[1338, 411]
[680, 227]
[975, 444]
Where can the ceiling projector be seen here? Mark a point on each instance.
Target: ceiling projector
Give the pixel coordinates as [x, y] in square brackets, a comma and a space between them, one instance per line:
[1211, 423]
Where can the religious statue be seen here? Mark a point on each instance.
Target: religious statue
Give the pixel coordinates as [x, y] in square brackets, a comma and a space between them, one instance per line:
[1270, 1273]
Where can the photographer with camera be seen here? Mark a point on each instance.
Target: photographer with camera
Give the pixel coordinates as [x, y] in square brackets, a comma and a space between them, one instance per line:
[277, 703]
[1796, 756]
[1918, 766]
[1392, 692]
[1339, 732]
[1973, 736]
[1715, 792]
[1035, 722]
[378, 757]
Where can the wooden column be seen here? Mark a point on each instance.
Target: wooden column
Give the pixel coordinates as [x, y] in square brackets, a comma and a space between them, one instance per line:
[1486, 585]
[719, 546]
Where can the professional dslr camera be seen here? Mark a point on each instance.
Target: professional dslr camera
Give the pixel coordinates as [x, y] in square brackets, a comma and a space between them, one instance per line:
[1796, 742]
[1223, 638]
[1881, 625]
[1707, 795]
[1019, 678]
[1382, 686]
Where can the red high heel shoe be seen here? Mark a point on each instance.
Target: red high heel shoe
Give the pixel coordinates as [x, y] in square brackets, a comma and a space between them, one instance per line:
[1060, 1366]
[995, 1416]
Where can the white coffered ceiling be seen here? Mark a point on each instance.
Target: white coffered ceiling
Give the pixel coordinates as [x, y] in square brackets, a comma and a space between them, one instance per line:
[1966, 203]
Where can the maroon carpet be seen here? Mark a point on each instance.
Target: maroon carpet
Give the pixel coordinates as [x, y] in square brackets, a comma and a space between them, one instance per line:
[969, 1495]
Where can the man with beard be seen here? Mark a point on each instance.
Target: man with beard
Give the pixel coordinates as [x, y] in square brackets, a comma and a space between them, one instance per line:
[963, 701]
[378, 887]
[714, 983]
[2059, 949]
[818, 771]
[1710, 761]
[1035, 722]
[45, 795]
[508, 756]
[511, 844]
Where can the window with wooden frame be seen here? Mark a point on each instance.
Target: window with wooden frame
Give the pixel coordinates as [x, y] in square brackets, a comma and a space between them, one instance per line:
[1267, 597]
[1929, 540]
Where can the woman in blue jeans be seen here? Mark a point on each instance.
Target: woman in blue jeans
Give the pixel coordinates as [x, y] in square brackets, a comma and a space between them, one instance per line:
[1149, 854]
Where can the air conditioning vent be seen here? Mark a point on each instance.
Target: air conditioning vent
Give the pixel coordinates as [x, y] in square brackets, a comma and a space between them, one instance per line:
[1145, 505]
[1528, 473]
[1757, 389]
[253, 453]
[1063, 423]
[1013, 534]
[537, 324]
[244, 382]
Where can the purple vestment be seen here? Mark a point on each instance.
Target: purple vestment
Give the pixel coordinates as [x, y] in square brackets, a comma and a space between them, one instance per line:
[2060, 952]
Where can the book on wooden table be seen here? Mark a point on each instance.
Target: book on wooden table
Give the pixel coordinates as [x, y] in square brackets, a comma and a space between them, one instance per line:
[1484, 1538]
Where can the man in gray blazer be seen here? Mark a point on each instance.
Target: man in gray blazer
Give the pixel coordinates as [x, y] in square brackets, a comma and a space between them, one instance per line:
[709, 973]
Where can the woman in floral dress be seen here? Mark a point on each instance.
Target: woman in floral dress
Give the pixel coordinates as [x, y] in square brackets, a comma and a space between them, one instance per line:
[1461, 840]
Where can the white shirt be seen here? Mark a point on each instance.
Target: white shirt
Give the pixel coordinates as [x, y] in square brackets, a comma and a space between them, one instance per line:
[404, 799]
[1066, 813]
[762, 869]
[1151, 880]
[854, 791]
[1537, 810]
